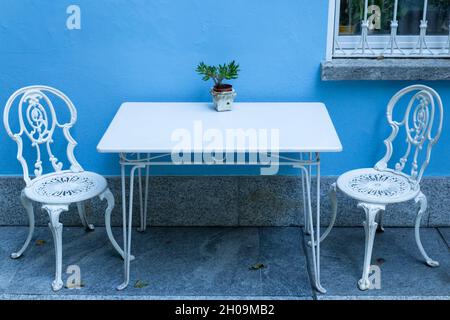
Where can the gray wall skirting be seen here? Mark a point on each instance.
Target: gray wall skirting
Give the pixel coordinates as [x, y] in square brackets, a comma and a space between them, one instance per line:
[232, 201]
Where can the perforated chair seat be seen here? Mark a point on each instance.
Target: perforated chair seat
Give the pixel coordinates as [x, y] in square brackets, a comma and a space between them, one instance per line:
[66, 187]
[374, 186]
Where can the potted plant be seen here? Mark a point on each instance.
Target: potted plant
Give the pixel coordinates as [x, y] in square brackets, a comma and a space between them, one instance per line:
[223, 94]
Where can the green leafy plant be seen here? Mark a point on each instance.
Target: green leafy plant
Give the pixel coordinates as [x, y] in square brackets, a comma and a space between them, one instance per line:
[218, 73]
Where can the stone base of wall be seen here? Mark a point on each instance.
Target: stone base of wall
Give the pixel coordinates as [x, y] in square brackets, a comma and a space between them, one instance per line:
[231, 201]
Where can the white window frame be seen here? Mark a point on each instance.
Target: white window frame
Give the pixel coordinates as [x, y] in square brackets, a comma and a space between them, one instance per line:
[354, 46]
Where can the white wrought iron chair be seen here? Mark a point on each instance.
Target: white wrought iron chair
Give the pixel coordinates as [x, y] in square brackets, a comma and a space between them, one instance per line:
[56, 190]
[375, 188]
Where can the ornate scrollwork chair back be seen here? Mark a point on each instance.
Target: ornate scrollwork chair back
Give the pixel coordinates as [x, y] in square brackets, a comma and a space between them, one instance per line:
[38, 121]
[422, 123]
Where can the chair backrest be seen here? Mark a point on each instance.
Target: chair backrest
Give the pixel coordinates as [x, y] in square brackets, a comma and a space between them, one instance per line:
[38, 121]
[422, 122]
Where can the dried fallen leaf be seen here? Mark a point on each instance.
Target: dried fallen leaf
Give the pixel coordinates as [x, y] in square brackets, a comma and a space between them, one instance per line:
[40, 242]
[140, 284]
[82, 285]
[257, 266]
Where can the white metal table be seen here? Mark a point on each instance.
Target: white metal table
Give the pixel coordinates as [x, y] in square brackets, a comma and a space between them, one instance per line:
[153, 134]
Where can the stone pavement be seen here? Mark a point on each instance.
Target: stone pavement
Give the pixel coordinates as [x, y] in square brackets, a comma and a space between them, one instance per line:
[225, 263]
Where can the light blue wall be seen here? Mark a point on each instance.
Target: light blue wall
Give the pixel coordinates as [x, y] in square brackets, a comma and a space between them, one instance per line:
[148, 49]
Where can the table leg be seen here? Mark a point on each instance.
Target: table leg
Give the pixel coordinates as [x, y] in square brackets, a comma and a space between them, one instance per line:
[146, 197]
[141, 205]
[127, 225]
[124, 225]
[315, 249]
[333, 200]
[305, 210]
[318, 240]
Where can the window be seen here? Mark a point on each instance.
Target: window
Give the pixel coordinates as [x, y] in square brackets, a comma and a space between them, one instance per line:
[391, 28]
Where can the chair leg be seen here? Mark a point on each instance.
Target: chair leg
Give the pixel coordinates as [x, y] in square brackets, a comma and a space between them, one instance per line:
[107, 194]
[56, 228]
[380, 228]
[29, 208]
[82, 212]
[370, 227]
[422, 199]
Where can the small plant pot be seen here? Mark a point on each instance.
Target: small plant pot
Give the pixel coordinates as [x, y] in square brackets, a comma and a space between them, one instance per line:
[223, 99]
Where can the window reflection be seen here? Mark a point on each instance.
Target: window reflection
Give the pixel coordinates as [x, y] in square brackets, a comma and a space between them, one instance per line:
[380, 14]
[438, 17]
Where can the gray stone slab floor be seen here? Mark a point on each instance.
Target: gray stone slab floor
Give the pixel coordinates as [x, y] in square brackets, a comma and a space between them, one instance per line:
[214, 263]
[404, 275]
[445, 232]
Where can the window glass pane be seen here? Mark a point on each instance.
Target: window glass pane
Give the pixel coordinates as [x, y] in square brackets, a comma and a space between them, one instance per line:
[410, 13]
[380, 14]
[438, 17]
[350, 16]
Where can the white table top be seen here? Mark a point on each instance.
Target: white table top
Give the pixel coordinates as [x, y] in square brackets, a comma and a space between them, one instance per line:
[148, 127]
